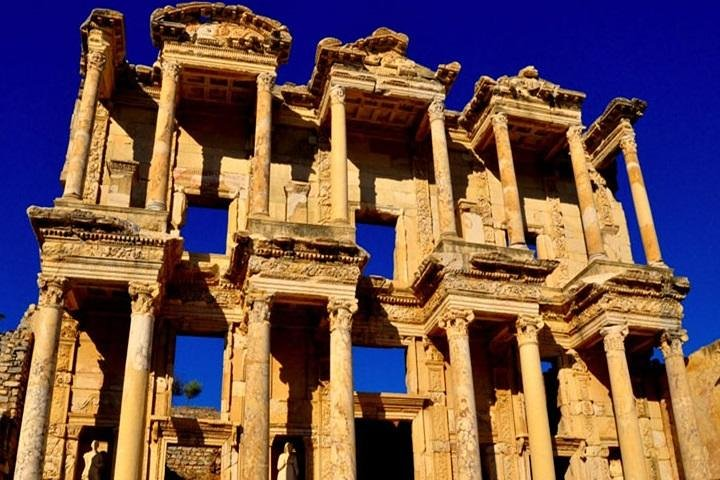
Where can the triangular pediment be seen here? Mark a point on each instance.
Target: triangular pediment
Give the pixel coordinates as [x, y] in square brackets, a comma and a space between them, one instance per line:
[233, 27]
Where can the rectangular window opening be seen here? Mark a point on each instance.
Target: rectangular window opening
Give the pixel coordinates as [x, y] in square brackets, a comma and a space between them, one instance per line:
[197, 376]
[379, 369]
[206, 227]
[375, 232]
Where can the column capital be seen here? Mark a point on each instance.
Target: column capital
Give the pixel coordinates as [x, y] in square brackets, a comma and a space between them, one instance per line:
[260, 304]
[574, 132]
[627, 137]
[436, 110]
[341, 311]
[265, 81]
[171, 70]
[96, 60]
[52, 290]
[499, 120]
[337, 95]
[614, 337]
[143, 297]
[455, 322]
[527, 328]
[671, 342]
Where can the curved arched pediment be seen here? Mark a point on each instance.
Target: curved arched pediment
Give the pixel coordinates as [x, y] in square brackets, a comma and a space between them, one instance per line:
[217, 25]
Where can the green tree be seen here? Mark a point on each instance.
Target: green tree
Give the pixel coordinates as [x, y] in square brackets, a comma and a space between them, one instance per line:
[189, 390]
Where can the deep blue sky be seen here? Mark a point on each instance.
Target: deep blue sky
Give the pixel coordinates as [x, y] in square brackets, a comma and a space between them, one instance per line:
[667, 56]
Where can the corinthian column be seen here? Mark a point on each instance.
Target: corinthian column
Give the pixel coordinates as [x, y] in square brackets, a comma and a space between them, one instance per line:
[342, 411]
[260, 166]
[626, 419]
[639, 195]
[157, 189]
[256, 417]
[590, 221]
[511, 196]
[692, 451]
[82, 129]
[455, 324]
[541, 453]
[441, 162]
[131, 432]
[338, 157]
[36, 412]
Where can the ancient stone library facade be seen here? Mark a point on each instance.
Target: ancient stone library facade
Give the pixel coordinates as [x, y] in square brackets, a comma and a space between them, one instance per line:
[526, 325]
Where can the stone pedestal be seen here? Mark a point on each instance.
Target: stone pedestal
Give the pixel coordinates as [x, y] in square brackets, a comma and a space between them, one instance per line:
[131, 431]
[590, 220]
[626, 419]
[36, 411]
[511, 196]
[692, 451]
[342, 412]
[157, 190]
[468, 446]
[83, 126]
[338, 157]
[541, 452]
[255, 446]
[441, 163]
[639, 195]
[260, 166]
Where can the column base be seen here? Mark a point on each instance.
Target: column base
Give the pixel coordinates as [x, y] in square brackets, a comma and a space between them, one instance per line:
[156, 206]
[519, 246]
[72, 197]
[597, 256]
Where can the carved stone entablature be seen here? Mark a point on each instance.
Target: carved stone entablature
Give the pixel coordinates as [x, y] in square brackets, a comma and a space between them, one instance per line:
[382, 54]
[77, 221]
[296, 259]
[214, 25]
[603, 131]
[83, 244]
[526, 86]
[496, 271]
[632, 291]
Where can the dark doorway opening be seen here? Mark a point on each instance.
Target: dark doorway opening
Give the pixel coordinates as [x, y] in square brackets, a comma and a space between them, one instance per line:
[384, 449]
[278, 446]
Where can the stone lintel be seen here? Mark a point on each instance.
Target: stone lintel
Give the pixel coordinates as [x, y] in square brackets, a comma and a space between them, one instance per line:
[389, 406]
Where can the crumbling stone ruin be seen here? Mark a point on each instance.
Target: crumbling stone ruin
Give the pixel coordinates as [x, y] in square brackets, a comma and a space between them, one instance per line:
[527, 327]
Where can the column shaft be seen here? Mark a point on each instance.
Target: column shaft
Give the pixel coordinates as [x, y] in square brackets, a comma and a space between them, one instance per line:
[157, 189]
[36, 412]
[626, 419]
[255, 447]
[133, 426]
[541, 452]
[590, 220]
[260, 167]
[511, 195]
[468, 445]
[342, 411]
[338, 160]
[651, 245]
[441, 162]
[83, 126]
[693, 454]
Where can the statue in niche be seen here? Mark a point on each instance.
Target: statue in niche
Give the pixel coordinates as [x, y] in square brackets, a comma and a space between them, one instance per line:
[287, 464]
[96, 464]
